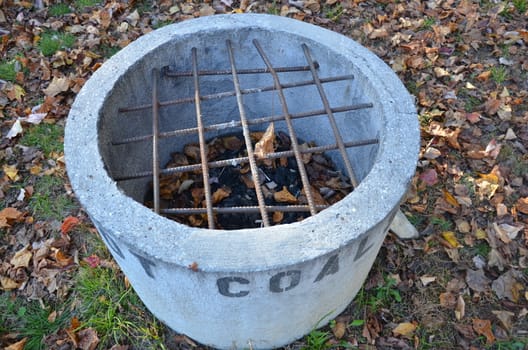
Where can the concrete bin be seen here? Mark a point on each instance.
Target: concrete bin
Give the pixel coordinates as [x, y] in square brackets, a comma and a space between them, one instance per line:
[248, 288]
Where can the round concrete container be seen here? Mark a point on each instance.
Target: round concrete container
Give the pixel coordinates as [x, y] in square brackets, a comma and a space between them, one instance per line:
[256, 288]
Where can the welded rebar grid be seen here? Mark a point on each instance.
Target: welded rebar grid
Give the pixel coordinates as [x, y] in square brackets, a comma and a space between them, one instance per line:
[244, 123]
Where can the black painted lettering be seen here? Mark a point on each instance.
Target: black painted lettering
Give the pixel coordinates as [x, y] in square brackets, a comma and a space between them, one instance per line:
[275, 281]
[145, 263]
[361, 249]
[331, 267]
[224, 286]
[112, 244]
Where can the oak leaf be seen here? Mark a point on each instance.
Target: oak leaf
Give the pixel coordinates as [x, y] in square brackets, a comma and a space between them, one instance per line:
[9, 216]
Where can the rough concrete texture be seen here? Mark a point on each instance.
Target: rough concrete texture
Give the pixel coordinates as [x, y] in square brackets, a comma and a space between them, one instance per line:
[258, 288]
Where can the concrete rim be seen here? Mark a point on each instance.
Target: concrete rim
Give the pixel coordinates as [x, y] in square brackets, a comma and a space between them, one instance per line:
[247, 249]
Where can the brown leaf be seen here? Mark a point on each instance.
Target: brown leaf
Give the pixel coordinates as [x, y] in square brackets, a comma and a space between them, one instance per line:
[68, 224]
[477, 280]
[460, 309]
[266, 143]
[339, 329]
[429, 177]
[483, 327]
[62, 259]
[19, 345]
[277, 216]
[450, 198]
[284, 196]
[505, 317]
[9, 216]
[522, 205]
[57, 86]
[221, 194]
[405, 329]
[448, 299]
[22, 258]
[88, 339]
[507, 286]
[7, 283]
[232, 143]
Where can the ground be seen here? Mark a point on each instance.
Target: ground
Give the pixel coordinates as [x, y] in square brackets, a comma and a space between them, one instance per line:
[461, 285]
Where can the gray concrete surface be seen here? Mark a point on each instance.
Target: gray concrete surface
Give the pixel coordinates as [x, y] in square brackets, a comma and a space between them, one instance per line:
[253, 288]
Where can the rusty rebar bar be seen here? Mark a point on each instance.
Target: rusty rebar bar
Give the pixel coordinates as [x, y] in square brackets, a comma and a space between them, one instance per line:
[247, 138]
[174, 74]
[203, 146]
[331, 118]
[233, 93]
[235, 123]
[155, 142]
[295, 145]
[243, 160]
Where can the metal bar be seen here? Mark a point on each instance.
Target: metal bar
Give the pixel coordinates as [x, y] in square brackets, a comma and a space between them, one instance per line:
[233, 93]
[291, 131]
[331, 119]
[247, 138]
[201, 135]
[235, 124]
[172, 73]
[155, 143]
[242, 160]
[240, 210]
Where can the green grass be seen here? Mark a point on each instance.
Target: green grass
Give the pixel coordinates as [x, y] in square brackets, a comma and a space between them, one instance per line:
[317, 340]
[29, 320]
[47, 137]
[82, 4]
[499, 74]
[59, 9]
[520, 5]
[49, 201]
[114, 310]
[8, 71]
[53, 41]
[428, 23]
[333, 13]
[441, 223]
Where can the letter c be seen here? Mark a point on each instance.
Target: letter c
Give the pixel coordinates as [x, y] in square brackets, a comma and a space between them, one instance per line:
[224, 285]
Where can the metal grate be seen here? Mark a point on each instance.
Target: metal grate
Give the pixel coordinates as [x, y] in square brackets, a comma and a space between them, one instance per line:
[201, 128]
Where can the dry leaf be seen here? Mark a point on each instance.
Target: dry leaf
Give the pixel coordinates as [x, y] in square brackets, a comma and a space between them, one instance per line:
[15, 130]
[522, 205]
[406, 329]
[460, 309]
[68, 224]
[19, 345]
[429, 177]
[339, 329]
[221, 194]
[477, 280]
[7, 283]
[450, 199]
[266, 144]
[277, 216]
[62, 259]
[505, 317]
[483, 327]
[451, 239]
[284, 196]
[88, 339]
[448, 299]
[427, 279]
[8, 216]
[21, 258]
[11, 171]
[57, 86]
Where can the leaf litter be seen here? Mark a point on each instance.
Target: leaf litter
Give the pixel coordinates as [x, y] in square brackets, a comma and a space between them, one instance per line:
[464, 63]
